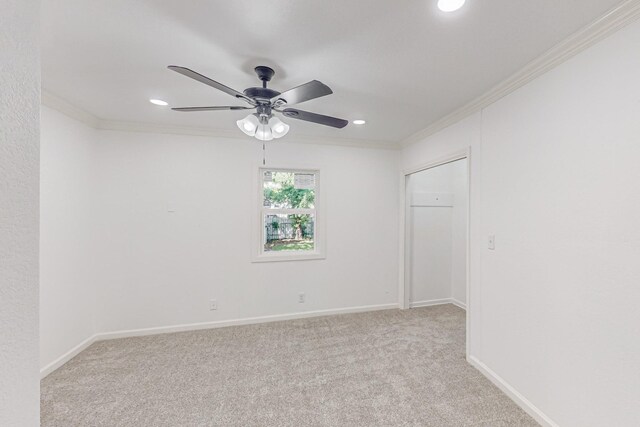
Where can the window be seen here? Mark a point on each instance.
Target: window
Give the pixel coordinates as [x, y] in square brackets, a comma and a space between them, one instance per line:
[289, 227]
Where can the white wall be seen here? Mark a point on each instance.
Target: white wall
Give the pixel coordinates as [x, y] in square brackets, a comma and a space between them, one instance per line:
[438, 233]
[554, 176]
[459, 225]
[159, 268]
[19, 153]
[67, 263]
[429, 235]
[114, 259]
[430, 254]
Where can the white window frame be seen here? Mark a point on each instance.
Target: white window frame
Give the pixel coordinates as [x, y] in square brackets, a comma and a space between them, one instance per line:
[258, 252]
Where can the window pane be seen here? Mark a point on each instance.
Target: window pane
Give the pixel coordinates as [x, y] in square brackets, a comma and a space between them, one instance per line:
[289, 190]
[289, 232]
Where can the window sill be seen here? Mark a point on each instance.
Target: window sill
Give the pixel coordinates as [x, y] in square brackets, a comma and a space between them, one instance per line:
[288, 257]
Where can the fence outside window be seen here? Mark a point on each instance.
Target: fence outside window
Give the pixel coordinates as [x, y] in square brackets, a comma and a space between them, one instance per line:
[277, 228]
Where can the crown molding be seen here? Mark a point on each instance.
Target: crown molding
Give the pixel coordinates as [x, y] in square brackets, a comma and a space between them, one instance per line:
[124, 126]
[617, 18]
[57, 103]
[127, 126]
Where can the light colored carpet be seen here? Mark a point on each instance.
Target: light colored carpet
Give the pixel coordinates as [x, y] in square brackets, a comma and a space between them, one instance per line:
[386, 368]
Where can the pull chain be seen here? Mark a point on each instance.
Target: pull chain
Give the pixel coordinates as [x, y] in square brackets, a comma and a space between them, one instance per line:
[264, 154]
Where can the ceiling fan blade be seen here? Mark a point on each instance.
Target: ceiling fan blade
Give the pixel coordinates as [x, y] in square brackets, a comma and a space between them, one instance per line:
[315, 118]
[311, 90]
[187, 109]
[206, 80]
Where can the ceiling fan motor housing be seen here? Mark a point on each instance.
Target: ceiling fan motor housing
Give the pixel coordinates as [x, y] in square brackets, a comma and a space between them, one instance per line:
[262, 94]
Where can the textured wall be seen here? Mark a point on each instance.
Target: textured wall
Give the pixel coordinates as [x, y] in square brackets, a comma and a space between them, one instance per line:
[66, 261]
[19, 158]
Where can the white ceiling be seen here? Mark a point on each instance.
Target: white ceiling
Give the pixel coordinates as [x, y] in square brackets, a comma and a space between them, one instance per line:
[401, 65]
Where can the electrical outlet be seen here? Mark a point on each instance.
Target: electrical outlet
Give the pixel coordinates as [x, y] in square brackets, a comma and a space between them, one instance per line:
[301, 297]
[213, 304]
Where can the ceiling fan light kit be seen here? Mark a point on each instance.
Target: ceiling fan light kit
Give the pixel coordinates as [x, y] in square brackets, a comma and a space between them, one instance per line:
[248, 125]
[278, 127]
[264, 133]
[262, 124]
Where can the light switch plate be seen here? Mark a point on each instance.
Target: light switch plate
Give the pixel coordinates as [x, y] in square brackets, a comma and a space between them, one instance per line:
[492, 242]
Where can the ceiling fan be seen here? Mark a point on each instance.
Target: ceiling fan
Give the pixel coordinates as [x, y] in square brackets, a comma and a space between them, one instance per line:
[262, 124]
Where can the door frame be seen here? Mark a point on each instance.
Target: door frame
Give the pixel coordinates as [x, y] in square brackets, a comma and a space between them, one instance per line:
[404, 281]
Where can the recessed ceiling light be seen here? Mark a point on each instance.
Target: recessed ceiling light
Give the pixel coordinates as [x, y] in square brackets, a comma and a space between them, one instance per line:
[159, 102]
[359, 122]
[450, 5]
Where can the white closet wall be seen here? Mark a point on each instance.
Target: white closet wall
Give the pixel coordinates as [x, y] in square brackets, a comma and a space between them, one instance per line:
[459, 225]
[437, 234]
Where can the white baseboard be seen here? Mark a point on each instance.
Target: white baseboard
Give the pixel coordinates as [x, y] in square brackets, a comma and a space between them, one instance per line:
[205, 325]
[67, 356]
[429, 303]
[513, 394]
[458, 303]
[433, 302]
